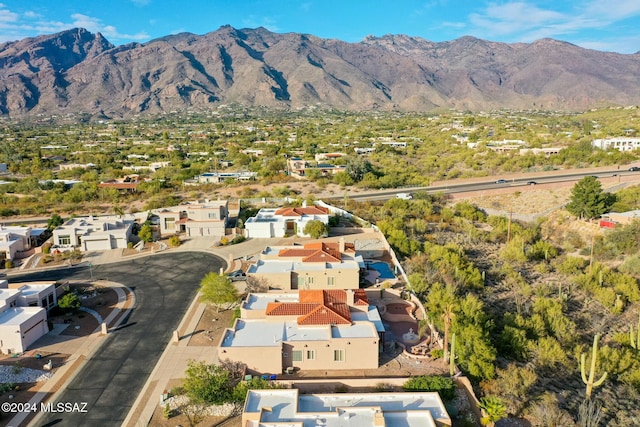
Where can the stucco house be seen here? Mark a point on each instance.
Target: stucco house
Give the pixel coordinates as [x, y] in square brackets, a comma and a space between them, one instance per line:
[197, 218]
[314, 329]
[94, 233]
[23, 314]
[270, 222]
[288, 407]
[14, 240]
[315, 265]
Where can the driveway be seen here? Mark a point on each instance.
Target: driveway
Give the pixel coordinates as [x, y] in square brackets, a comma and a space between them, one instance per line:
[110, 381]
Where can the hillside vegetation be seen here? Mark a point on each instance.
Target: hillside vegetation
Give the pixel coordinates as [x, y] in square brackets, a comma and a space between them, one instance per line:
[525, 300]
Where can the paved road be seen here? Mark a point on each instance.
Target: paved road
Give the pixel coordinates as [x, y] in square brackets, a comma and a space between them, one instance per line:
[164, 285]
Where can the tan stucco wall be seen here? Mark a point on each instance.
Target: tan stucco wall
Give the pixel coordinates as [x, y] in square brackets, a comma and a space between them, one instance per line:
[359, 353]
[261, 359]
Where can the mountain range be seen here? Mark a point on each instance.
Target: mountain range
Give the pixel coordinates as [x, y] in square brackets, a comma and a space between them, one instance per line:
[76, 71]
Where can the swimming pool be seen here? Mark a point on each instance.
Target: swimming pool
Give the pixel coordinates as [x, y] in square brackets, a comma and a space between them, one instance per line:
[382, 268]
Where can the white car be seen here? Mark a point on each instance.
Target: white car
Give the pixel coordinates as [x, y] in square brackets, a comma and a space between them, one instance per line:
[404, 196]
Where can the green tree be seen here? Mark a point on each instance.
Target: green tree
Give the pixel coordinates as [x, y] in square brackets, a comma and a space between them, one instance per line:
[217, 289]
[145, 234]
[316, 229]
[588, 199]
[69, 301]
[54, 222]
[208, 384]
[357, 168]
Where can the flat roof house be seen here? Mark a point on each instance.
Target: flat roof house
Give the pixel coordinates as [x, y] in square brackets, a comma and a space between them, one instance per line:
[197, 218]
[320, 329]
[270, 222]
[273, 408]
[23, 314]
[316, 265]
[94, 233]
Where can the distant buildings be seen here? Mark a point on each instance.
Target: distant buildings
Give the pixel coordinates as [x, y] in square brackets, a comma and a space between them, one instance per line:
[299, 168]
[218, 177]
[621, 144]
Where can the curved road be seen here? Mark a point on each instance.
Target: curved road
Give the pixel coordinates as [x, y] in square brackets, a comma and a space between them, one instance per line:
[110, 381]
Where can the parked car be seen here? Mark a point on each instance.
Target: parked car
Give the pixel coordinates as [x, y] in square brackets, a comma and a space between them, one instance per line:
[634, 169]
[501, 181]
[237, 276]
[532, 183]
[404, 196]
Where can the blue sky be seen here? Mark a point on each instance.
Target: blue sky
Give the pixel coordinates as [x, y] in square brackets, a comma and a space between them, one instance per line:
[610, 25]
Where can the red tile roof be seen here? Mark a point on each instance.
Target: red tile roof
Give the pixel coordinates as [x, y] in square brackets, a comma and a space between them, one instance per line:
[288, 309]
[360, 297]
[314, 210]
[314, 252]
[316, 307]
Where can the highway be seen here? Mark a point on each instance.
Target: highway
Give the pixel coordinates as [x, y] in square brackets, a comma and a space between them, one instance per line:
[489, 184]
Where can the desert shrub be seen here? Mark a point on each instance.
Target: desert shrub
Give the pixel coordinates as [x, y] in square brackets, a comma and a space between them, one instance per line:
[574, 239]
[238, 239]
[571, 265]
[631, 265]
[514, 251]
[445, 387]
[174, 241]
[512, 386]
[469, 211]
[8, 263]
[69, 302]
[224, 241]
[46, 248]
[542, 250]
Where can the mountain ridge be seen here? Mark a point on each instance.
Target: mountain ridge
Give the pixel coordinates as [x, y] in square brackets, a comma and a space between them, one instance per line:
[76, 71]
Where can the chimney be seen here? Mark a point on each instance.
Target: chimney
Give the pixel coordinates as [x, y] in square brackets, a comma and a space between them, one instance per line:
[350, 297]
[304, 203]
[341, 245]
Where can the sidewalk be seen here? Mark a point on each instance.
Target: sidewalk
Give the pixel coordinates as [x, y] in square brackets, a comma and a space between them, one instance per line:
[81, 349]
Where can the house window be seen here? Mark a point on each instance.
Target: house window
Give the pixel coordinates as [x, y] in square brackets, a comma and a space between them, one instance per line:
[311, 355]
[44, 303]
[169, 223]
[331, 281]
[296, 356]
[310, 280]
[213, 215]
[338, 355]
[64, 240]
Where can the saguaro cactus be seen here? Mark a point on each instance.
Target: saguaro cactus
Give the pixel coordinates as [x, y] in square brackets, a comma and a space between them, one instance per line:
[594, 358]
[635, 337]
[452, 357]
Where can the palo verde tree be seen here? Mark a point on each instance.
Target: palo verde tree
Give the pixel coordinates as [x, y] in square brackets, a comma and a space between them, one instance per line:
[217, 289]
[588, 199]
